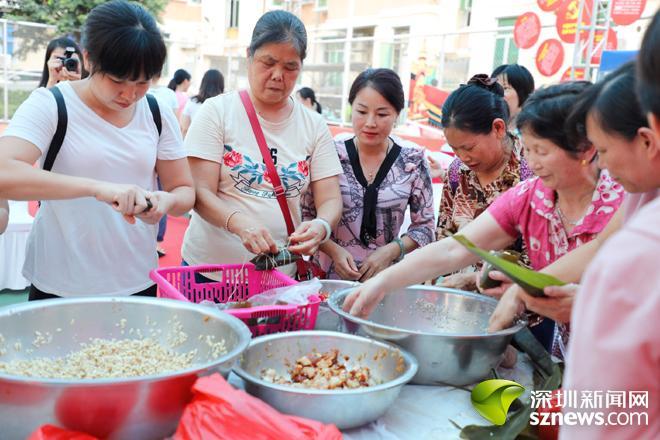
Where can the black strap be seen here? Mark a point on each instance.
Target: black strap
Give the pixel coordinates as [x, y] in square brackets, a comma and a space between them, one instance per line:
[62, 122]
[155, 112]
[369, 226]
[60, 132]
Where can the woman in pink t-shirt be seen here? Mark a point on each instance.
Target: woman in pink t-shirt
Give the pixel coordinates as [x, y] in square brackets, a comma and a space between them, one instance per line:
[620, 132]
[565, 206]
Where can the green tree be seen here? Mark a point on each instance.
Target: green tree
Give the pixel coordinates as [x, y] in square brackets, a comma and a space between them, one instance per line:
[67, 15]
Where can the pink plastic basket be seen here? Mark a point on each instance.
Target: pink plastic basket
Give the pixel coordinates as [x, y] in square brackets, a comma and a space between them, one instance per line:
[240, 282]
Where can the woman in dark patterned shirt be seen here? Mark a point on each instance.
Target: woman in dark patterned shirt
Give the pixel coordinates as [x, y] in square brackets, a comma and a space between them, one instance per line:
[381, 180]
[488, 160]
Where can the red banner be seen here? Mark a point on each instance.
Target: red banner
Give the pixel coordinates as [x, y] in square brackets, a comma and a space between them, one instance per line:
[567, 17]
[579, 75]
[526, 31]
[549, 57]
[549, 5]
[625, 12]
[611, 44]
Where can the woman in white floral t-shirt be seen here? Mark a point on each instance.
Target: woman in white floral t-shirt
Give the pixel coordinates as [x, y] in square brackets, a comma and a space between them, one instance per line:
[237, 214]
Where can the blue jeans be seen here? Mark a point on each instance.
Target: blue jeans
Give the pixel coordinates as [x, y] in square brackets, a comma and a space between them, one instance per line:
[199, 278]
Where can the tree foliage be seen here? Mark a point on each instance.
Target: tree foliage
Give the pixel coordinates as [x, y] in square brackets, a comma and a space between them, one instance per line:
[67, 15]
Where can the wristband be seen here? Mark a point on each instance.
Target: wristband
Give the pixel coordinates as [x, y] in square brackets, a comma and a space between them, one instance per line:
[402, 249]
[326, 226]
[229, 218]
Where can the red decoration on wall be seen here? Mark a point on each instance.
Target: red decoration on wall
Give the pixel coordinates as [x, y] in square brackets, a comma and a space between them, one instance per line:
[527, 30]
[549, 5]
[579, 74]
[625, 12]
[549, 57]
[567, 16]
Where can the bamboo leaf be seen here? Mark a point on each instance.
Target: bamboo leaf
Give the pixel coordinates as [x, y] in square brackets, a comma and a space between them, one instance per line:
[531, 281]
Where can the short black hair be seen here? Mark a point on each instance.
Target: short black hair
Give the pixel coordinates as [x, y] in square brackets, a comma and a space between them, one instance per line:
[519, 78]
[546, 111]
[279, 27]
[63, 43]
[474, 106]
[308, 93]
[648, 68]
[385, 81]
[179, 76]
[213, 84]
[123, 40]
[609, 101]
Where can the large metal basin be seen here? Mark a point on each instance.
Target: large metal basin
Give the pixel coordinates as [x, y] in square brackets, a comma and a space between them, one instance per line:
[445, 329]
[327, 319]
[146, 407]
[343, 408]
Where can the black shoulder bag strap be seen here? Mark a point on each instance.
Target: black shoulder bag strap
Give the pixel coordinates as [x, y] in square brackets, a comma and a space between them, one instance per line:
[60, 132]
[155, 112]
[62, 121]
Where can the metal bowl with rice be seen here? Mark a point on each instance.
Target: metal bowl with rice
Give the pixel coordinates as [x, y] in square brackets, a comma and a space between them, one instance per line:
[142, 406]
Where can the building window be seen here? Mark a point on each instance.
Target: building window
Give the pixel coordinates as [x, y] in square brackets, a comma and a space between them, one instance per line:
[232, 13]
[506, 51]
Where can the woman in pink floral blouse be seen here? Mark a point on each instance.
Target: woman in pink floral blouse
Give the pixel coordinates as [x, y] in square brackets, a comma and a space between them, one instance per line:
[381, 180]
[566, 205]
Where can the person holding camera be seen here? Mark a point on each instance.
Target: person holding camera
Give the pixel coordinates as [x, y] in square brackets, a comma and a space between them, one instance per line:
[63, 62]
[95, 232]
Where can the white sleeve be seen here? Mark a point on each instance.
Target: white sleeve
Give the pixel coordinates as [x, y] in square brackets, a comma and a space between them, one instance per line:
[170, 143]
[35, 119]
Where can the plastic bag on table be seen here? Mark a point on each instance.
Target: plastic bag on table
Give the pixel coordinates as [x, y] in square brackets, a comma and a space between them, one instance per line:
[220, 412]
[51, 432]
[297, 294]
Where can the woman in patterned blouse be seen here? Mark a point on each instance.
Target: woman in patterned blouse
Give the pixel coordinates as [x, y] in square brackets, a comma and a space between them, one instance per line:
[566, 205]
[488, 161]
[381, 180]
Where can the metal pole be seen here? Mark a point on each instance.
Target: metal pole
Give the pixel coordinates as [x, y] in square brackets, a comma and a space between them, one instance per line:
[347, 63]
[6, 71]
[577, 47]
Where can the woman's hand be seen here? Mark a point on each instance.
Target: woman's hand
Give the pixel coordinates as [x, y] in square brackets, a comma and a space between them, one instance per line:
[345, 264]
[508, 308]
[435, 169]
[128, 200]
[378, 260]
[496, 292]
[57, 72]
[557, 306]
[257, 239]
[161, 203]
[461, 281]
[364, 299]
[307, 237]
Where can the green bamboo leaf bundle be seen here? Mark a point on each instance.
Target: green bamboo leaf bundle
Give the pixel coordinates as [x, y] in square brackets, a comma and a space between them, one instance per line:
[531, 281]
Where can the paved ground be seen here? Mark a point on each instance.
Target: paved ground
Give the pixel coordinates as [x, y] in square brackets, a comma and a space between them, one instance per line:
[12, 296]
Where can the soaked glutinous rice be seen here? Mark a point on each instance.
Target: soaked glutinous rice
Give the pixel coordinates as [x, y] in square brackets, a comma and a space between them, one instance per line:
[103, 358]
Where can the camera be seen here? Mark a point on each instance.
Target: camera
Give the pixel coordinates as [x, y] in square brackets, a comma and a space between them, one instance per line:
[69, 63]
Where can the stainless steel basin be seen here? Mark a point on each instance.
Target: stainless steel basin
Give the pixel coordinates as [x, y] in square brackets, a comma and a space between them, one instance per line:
[445, 329]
